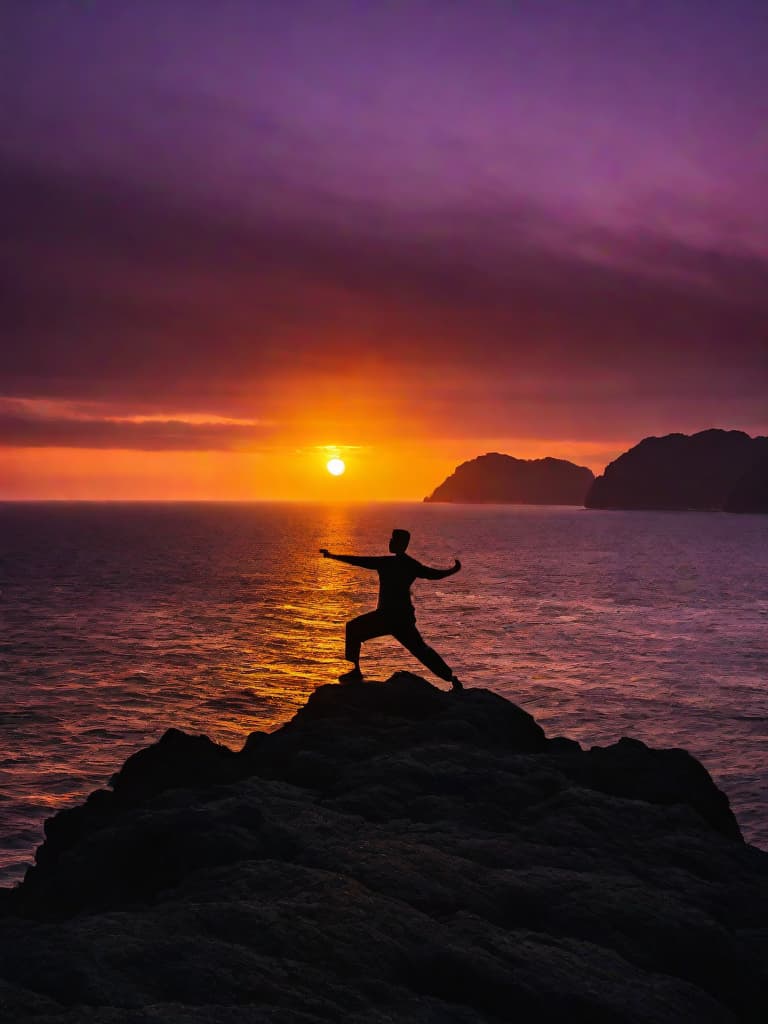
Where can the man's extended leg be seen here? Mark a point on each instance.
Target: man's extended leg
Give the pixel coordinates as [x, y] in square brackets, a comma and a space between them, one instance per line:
[412, 640]
[364, 627]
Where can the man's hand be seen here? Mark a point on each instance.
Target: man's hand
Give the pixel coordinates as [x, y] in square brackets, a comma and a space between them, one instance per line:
[325, 552]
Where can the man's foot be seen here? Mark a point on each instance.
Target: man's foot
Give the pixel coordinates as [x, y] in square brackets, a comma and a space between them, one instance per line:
[353, 676]
[456, 685]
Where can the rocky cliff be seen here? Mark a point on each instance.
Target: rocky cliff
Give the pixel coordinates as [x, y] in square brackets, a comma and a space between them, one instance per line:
[700, 471]
[502, 479]
[750, 493]
[393, 853]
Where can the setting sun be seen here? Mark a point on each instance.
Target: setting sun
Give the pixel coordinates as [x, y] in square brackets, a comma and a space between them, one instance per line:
[335, 467]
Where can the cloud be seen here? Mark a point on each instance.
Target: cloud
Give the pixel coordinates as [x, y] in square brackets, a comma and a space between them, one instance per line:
[58, 424]
[145, 302]
[19, 431]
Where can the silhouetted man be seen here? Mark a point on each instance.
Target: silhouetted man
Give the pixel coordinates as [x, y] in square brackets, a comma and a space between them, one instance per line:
[394, 615]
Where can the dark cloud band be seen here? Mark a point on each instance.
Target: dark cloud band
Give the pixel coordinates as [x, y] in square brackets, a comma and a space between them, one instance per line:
[155, 435]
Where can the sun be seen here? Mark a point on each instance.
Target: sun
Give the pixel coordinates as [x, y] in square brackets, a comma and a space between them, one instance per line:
[335, 467]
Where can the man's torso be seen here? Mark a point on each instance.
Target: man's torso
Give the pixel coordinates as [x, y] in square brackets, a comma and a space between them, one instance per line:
[396, 574]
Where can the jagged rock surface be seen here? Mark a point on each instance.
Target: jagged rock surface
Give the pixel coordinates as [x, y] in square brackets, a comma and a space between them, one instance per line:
[394, 853]
[700, 471]
[502, 479]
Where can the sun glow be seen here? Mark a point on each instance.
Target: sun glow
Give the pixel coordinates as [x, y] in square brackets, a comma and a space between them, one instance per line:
[335, 467]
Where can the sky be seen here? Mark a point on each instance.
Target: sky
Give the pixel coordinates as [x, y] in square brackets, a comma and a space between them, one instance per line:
[241, 237]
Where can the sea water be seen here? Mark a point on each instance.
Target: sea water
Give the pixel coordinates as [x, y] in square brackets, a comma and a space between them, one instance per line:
[119, 621]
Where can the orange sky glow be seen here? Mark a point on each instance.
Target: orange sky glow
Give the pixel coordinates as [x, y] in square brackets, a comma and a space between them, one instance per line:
[396, 472]
[398, 438]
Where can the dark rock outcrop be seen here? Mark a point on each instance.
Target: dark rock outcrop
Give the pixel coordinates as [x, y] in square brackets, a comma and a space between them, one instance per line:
[502, 479]
[751, 492]
[393, 853]
[700, 471]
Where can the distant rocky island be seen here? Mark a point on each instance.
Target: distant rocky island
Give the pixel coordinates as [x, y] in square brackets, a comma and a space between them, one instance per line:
[714, 469]
[750, 493]
[502, 479]
[393, 853]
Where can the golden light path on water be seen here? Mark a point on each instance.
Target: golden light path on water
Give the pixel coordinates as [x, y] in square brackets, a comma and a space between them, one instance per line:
[299, 639]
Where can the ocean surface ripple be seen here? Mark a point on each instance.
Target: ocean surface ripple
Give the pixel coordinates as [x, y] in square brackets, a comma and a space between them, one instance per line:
[119, 621]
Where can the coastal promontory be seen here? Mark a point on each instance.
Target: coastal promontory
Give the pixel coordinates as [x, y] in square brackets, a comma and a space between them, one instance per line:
[714, 469]
[399, 853]
[502, 479]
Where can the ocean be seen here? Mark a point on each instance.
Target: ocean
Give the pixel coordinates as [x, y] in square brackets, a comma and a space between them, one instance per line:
[118, 621]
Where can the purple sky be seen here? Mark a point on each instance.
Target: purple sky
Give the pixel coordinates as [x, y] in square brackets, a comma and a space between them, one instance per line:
[553, 214]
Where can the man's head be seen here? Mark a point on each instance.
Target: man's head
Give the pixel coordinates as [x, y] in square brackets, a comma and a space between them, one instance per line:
[398, 542]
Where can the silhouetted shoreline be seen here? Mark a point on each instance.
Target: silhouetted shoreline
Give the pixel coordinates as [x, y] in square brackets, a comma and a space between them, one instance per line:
[494, 478]
[394, 851]
[713, 470]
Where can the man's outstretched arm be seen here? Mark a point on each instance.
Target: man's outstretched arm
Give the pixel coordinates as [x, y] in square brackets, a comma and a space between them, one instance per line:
[426, 572]
[364, 561]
